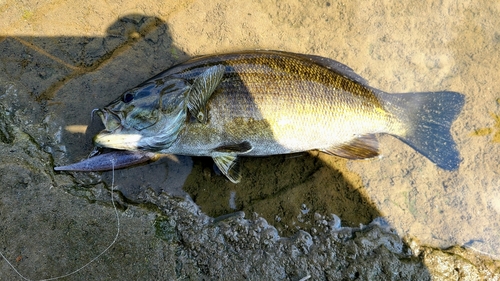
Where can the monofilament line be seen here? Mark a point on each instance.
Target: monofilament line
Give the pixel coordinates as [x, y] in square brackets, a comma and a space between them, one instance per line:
[95, 258]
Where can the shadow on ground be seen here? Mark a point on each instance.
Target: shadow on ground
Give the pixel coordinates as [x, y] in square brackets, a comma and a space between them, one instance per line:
[54, 223]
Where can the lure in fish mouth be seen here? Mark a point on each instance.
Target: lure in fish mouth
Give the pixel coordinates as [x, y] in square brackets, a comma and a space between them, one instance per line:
[261, 103]
[156, 106]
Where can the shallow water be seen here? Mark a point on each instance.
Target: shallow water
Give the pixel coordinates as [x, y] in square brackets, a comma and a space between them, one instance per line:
[69, 69]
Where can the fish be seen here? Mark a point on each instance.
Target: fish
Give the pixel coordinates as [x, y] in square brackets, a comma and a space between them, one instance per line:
[260, 103]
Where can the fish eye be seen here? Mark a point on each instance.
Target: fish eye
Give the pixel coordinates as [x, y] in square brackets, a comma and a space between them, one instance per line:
[128, 97]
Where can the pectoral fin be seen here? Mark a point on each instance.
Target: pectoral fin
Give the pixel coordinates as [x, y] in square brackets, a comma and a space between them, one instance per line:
[240, 148]
[359, 148]
[228, 164]
[201, 90]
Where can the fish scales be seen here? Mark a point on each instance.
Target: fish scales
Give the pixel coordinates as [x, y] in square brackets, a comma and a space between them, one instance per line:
[258, 89]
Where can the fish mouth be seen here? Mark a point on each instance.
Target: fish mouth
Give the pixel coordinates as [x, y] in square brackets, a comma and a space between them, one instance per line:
[139, 127]
[113, 136]
[154, 138]
[111, 121]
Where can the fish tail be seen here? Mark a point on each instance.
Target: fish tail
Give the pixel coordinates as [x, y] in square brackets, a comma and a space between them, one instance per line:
[428, 117]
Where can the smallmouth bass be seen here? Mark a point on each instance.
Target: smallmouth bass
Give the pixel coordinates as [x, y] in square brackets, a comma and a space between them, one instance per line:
[260, 103]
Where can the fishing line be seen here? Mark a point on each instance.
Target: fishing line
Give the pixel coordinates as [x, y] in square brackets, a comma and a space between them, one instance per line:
[113, 161]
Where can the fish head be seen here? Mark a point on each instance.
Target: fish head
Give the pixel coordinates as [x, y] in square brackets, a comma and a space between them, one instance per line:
[147, 117]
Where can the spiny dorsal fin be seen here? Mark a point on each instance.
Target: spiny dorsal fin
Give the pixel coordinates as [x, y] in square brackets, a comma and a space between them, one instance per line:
[202, 89]
[360, 148]
[228, 165]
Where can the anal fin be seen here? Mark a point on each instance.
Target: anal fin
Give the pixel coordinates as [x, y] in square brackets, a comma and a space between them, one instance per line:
[360, 148]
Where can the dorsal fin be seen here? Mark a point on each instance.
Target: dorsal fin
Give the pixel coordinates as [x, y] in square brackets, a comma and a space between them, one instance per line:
[336, 66]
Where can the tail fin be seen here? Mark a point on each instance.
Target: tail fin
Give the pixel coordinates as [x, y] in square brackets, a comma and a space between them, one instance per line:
[428, 117]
